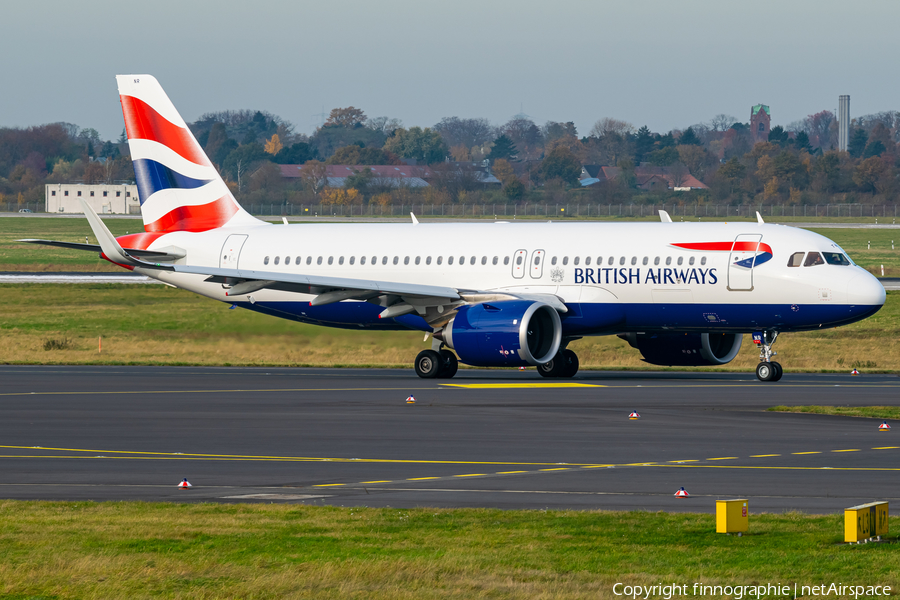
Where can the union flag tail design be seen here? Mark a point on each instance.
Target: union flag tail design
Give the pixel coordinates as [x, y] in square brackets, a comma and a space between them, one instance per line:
[178, 186]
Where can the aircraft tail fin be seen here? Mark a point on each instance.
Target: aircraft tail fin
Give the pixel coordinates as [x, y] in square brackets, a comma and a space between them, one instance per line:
[178, 186]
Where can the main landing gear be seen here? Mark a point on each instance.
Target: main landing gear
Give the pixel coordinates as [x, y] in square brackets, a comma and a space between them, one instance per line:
[564, 364]
[431, 364]
[767, 369]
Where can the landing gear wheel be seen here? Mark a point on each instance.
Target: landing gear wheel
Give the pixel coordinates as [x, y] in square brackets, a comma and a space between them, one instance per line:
[570, 363]
[778, 371]
[765, 371]
[429, 364]
[450, 364]
[552, 368]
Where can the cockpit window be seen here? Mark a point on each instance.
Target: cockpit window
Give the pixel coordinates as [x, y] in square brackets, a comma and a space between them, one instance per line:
[796, 259]
[836, 258]
[813, 259]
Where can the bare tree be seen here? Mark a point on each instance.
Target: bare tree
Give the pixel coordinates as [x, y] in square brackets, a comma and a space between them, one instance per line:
[465, 132]
[722, 122]
[605, 126]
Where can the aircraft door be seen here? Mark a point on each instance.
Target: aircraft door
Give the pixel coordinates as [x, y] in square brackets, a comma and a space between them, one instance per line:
[741, 261]
[518, 266]
[537, 264]
[231, 251]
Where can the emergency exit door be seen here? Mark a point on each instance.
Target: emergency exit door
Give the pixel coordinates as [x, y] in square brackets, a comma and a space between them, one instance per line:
[231, 251]
[741, 261]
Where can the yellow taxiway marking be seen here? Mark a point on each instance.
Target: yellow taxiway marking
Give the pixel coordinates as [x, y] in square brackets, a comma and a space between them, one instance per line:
[723, 458]
[329, 484]
[509, 472]
[471, 475]
[506, 386]
[783, 468]
[763, 455]
[421, 478]
[382, 481]
[683, 461]
[850, 450]
[556, 469]
[886, 448]
[597, 466]
[806, 452]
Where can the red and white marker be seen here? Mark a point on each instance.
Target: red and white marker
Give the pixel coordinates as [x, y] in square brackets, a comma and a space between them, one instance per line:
[634, 416]
[682, 493]
[854, 372]
[185, 484]
[884, 427]
[521, 368]
[410, 400]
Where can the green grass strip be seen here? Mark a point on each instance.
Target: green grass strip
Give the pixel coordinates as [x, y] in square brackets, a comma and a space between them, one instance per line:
[138, 550]
[870, 412]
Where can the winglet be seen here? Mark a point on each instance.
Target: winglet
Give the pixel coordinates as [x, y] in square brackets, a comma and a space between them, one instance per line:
[108, 243]
[664, 217]
[759, 218]
[415, 220]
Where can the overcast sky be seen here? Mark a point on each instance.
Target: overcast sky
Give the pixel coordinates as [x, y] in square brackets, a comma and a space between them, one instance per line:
[658, 63]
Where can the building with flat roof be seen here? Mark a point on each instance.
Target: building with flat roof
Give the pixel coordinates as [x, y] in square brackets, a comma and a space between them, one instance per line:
[104, 198]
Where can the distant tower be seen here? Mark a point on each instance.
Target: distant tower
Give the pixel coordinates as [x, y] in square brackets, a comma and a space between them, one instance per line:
[843, 122]
[760, 122]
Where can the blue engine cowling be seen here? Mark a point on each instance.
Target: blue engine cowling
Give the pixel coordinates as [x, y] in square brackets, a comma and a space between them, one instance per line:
[686, 349]
[508, 333]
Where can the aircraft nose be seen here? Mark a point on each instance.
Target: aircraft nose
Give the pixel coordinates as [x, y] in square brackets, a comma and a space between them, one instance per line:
[865, 289]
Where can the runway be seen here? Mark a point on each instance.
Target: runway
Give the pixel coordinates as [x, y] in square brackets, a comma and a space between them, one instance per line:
[505, 439]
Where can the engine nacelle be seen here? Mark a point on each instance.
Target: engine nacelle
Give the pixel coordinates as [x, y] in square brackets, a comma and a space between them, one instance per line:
[686, 349]
[504, 334]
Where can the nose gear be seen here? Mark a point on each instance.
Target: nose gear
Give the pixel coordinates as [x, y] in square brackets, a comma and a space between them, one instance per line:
[767, 369]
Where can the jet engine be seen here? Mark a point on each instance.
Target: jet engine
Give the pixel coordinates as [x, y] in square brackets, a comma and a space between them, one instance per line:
[504, 334]
[686, 349]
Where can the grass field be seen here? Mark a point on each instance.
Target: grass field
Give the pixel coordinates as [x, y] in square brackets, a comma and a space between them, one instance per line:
[139, 550]
[870, 412]
[152, 324]
[15, 256]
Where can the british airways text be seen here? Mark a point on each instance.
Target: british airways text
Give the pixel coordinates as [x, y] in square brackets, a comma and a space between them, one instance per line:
[660, 276]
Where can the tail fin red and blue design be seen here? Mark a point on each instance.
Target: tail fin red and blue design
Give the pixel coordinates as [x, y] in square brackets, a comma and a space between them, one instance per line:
[178, 186]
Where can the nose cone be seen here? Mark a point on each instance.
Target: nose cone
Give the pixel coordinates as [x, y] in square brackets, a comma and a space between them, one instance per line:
[864, 289]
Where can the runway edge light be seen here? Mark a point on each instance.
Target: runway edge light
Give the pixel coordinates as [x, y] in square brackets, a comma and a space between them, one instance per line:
[185, 484]
[884, 427]
[682, 493]
[732, 516]
[854, 372]
[865, 522]
[410, 400]
[634, 416]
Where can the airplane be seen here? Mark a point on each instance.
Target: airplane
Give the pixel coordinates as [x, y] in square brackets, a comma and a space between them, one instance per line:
[498, 294]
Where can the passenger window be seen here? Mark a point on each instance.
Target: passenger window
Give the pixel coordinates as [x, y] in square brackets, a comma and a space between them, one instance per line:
[319, 261]
[384, 259]
[599, 261]
[796, 259]
[374, 260]
[352, 259]
[611, 260]
[330, 260]
[703, 261]
[405, 260]
[449, 260]
[341, 260]
[427, 260]
[836, 258]
[634, 260]
[506, 260]
[576, 261]
[362, 260]
[494, 262]
[813, 259]
[668, 260]
[565, 260]
[645, 261]
[266, 260]
[309, 260]
[553, 261]
[277, 258]
[396, 259]
[440, 259]
[691, 260]
[287, 260]
[680, 260]
[472, 261]
[537, 261]
[518, 260]
[418, 259]
[462, 260]
[622, 261]
[297, 261]
[587, 261]
[484, 260]
[656, 261]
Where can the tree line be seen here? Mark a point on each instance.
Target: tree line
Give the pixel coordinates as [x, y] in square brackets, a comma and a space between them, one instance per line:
[797, 163]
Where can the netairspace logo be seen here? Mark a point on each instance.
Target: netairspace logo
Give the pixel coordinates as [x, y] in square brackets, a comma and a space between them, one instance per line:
[738, 592]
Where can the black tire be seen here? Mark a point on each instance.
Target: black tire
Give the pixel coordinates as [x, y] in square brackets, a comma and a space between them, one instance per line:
[451, 364]
[552, 368]
[428, 364]
[570, 363]
[778, 371]
[765, 371]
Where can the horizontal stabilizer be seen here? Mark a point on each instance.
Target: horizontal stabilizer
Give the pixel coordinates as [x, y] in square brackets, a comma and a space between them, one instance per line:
[170, 254]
